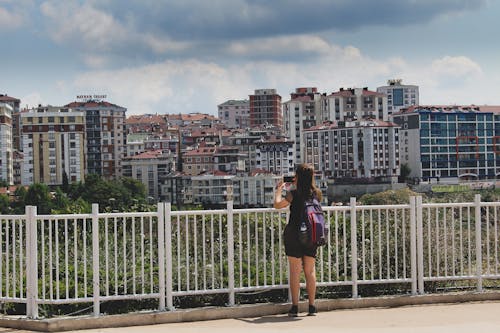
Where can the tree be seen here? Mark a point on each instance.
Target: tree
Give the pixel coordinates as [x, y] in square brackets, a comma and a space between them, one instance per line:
[3, 183]
[39, 195]
[405, 171]
[4, 204]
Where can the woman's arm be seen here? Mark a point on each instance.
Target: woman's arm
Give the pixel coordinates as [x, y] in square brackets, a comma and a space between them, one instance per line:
[279, 201]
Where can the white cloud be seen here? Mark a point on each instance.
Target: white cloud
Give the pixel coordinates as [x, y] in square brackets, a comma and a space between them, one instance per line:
[10, 19]
[281, 46]
[32, 100]
[456, 67]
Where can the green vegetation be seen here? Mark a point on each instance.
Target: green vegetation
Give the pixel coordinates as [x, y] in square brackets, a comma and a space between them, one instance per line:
[124, 195]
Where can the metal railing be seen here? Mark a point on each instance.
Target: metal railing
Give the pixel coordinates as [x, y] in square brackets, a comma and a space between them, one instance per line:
[65, 259]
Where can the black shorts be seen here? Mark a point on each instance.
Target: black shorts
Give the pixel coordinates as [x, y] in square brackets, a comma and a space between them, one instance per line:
[293, 248]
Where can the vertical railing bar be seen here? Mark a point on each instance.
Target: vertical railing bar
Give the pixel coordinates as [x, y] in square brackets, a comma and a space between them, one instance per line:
[195, 250]
[178, 239]
[8, 255]
[379, 223]
[487, 242]
[372, 241]
[186, 237]
[420, 246]
[453, 241]
[337, 256]
[345, 245]
[66, 256]
[204, 256]
[75, 255]
[42, 245]
[280, 245]
[388, 245]
[51, 267]
[21, 256]
[256, 249]
[445, 242]
[264, 254]
[272, 248]
[115, 236]
[85, 282]
[151, 255]
[249, 241]
[1, 250]
[14, 283]
[168, 255]
[212, 245]
[496, 239]
[124, 254]
[469, 240]
[429, 240]
[230, 252]
[329, 219]
[460, 217]
[134, 265]
[106, 254]
[95, 260]
[143, 258]
[240, 250]
[363, 238]
[479, 254]
[221, 256]
[438, 257]
[354, 248]
[413, 245]
[405, 250]
[396, 269]
[161, 210]
[56, 236]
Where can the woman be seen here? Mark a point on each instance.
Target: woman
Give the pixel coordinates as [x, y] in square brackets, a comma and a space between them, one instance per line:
[298, 255]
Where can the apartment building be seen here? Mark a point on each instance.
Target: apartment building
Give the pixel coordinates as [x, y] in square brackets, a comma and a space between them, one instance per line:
[366, 149]
[235, 113]
[197, 161]
[53, 145]
[212, 188]
[399, 96]
[150, 168]
[301, 112]
[16, 126]
[105, 134]
[254, 189]
[265, 108]
[275, 155]
[229, 159]
[6, 151]
[450, 143]
[354, 104]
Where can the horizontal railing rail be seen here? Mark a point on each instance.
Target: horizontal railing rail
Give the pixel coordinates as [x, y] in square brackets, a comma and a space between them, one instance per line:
[163, 255]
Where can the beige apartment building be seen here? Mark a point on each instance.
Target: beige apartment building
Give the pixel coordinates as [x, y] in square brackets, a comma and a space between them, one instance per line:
[53, 145]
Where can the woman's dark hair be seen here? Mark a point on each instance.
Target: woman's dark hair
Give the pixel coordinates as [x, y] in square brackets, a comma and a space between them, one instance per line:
[306, 188]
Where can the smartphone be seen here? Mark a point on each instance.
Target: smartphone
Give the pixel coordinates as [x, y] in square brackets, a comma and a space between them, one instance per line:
[289, 185]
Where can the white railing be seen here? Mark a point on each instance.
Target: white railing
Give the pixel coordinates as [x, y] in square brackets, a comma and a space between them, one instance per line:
[163, 255]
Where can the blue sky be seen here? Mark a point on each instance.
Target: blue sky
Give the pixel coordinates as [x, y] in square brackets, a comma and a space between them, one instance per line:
[171, 56]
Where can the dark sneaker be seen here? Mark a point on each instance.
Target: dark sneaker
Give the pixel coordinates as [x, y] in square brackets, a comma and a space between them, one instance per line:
[294, 311]
[312, 310]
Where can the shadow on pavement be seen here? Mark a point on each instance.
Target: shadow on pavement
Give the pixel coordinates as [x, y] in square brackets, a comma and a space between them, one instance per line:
[269, 319]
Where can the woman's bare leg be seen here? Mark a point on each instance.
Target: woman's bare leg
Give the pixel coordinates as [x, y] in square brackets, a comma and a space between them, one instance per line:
[310, 273]
[294, 278]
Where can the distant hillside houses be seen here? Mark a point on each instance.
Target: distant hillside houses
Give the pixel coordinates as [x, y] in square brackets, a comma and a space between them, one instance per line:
[350, 135]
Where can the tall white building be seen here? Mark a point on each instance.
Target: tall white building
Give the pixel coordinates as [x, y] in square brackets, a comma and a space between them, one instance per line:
[275, 155]
[53, 145]
[301, 112]
[6, 158]
[235, 113]
[354, 104]
[399, 95]
[366, 149]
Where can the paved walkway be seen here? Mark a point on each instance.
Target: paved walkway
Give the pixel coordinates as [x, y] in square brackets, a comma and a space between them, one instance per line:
[456, 318]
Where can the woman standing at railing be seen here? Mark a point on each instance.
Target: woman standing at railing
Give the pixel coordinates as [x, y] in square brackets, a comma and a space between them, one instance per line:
[299, 256]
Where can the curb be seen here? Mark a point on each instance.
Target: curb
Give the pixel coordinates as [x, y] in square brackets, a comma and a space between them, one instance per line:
[240, 311]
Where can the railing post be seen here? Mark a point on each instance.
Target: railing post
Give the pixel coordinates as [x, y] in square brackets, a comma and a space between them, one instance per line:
[31, 262]
[168, 255]
[161, 255]
[413, 244]
[230, 252]
[420, 246]
[479, 253]
[354, 248]
[95, 260]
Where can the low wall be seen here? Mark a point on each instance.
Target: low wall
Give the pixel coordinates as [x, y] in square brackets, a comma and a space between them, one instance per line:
[349, 190]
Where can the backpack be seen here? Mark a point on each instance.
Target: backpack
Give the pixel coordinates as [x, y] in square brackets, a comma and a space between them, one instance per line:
[313, 229]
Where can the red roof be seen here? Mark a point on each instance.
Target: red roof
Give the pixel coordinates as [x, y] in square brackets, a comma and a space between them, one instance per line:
[91, 104]
[146, 155]
[5, 98]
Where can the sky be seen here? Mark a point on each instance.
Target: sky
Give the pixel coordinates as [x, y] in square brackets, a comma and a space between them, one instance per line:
[182, 56]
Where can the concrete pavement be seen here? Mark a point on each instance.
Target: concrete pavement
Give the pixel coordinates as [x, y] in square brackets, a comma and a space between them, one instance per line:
[440, 318]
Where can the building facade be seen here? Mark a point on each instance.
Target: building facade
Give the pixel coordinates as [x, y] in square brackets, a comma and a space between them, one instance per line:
[53, 145]
[6, 151]
[354, 104]
[275, 156]
[301, 112]
[106, 136]
[450, 143]
[399, 96]
[235, 113]
[16, 126]
[265, 108]
[150, 168]
[366, 150]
